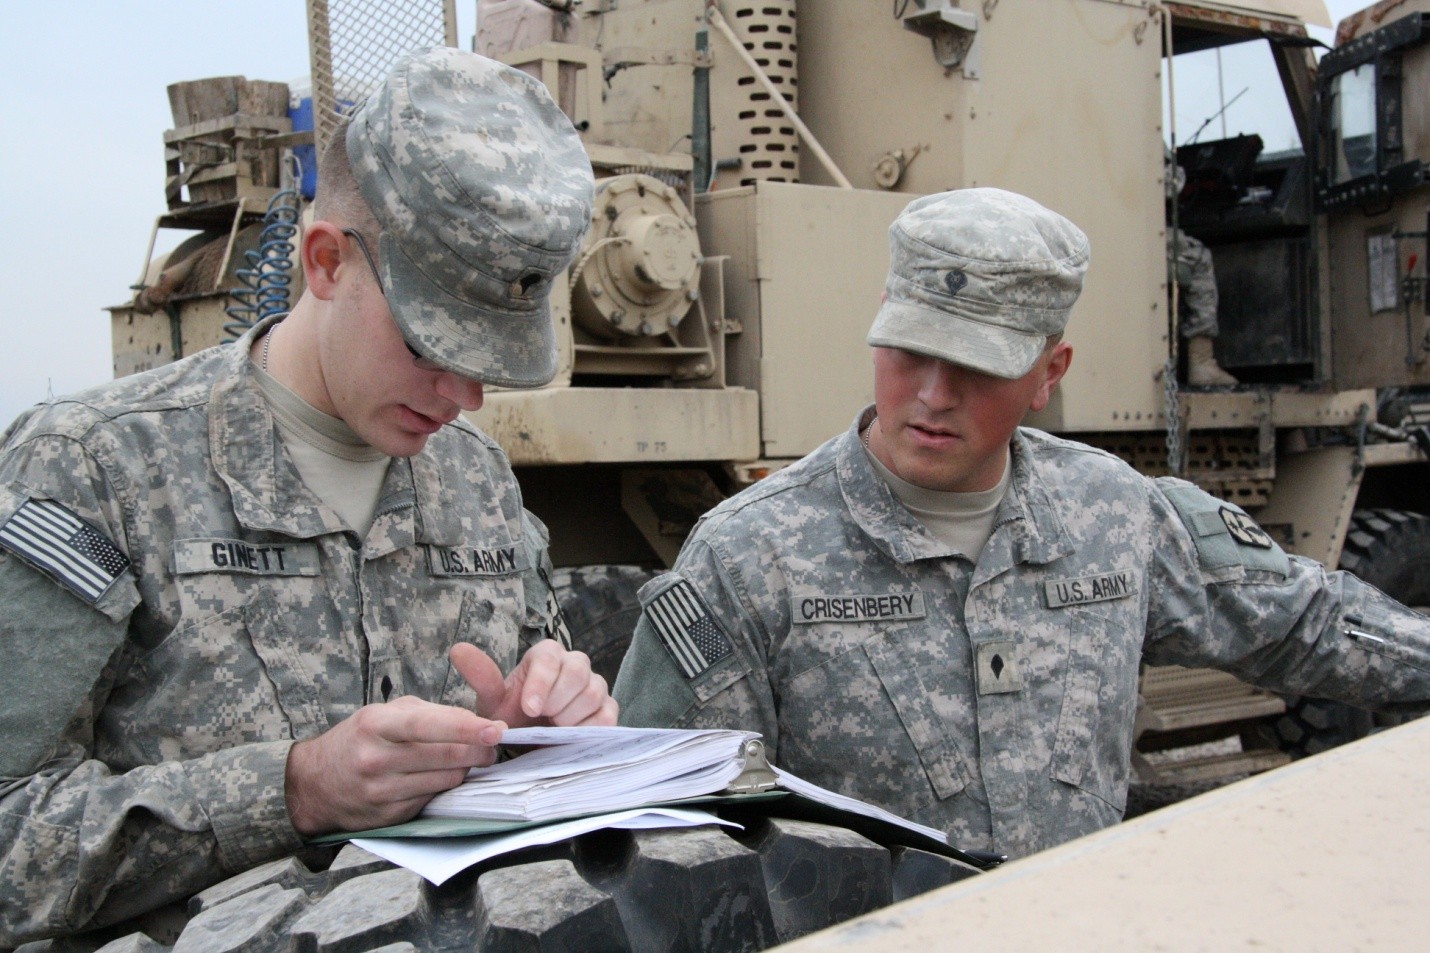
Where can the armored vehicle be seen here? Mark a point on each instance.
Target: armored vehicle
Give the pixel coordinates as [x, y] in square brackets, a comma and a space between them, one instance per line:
[750, 155]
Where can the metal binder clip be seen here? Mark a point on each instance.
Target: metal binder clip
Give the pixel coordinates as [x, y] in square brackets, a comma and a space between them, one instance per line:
[757, 774]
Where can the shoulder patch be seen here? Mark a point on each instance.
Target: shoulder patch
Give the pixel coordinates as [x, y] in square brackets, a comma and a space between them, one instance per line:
[64, 547]
[1222, 532]
[1243, 529]
[687, 629]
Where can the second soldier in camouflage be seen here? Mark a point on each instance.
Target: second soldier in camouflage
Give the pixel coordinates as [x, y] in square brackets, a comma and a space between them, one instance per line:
[944, 613]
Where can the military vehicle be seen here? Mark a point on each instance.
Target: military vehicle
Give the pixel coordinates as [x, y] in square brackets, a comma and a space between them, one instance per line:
[750, 155]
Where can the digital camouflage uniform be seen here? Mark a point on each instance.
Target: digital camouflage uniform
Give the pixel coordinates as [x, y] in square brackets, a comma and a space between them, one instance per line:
[1196, 281]
[1191, 266]
[180, 607]
[148, 728]
[992, 700]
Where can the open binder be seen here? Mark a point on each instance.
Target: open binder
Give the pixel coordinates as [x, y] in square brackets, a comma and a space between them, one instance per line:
[571, 773]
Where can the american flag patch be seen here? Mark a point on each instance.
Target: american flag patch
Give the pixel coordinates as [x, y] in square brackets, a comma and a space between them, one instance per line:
[687, 629]
[63, 547]
[556, 627]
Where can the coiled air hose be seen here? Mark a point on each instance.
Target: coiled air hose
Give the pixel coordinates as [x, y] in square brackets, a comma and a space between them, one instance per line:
[265, 283]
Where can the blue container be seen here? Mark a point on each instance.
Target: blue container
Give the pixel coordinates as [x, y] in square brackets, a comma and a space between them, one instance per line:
[307, 156]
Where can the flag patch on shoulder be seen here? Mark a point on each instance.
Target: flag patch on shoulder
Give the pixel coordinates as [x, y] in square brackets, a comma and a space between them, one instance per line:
[689, 632]
[556, 627]
[64, 547]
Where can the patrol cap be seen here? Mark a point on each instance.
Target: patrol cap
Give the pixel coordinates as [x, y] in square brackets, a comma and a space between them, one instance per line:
[979, 278]
[482, 193]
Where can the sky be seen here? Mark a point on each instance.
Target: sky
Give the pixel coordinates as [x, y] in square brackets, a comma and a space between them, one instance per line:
[82, 170]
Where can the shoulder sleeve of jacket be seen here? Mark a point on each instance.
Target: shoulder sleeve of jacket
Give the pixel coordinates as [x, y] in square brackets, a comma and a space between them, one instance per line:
[67, 588]
[695, 658]
[1228, 542]
[543, 609]
[1276, 620]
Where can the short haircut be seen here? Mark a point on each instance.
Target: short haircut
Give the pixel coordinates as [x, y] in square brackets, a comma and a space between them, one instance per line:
[339, 200]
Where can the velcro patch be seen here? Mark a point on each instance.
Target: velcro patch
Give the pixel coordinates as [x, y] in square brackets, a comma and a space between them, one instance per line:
[857, 607]
[997, 664]
[689, 632]
[1224, 536]
[1084, 589]
[193, 556]
[466, 561]
[64, 547]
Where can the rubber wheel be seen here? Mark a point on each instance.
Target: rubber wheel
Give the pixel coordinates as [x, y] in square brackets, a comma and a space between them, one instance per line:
[1390, 549]
[692, 889]
[601, 609]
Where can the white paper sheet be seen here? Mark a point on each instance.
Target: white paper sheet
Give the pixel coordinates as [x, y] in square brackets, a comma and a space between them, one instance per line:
[440, 858]
[592, 769]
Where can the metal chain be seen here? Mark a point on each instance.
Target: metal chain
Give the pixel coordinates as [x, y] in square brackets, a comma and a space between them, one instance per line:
[1172, 407]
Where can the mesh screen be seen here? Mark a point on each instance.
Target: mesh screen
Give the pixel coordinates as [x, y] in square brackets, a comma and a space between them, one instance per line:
[353, 42]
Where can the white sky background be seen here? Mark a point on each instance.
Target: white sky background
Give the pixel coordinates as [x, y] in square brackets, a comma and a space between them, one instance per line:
[82, 170]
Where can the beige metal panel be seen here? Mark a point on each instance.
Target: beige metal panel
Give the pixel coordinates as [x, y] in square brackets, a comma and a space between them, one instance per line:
[622, 425]
[1307, 11]
[822, 258]
[1235, 410]
[1313, 12]
[1095, 158]
[1377, 342]
[1376, 347]
[1313, 497]
[725, 221]
[1328, 853]
[1393, 454]
[869, 87]
[1339, 409]
[1085, 139]
[647, 107]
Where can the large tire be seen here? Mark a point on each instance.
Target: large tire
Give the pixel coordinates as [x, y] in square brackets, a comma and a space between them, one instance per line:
[601, 609]
[1390, 549]
[695, 889]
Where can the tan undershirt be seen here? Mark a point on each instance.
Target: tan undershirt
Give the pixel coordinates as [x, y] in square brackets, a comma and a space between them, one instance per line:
[337, 465]
[961, 521]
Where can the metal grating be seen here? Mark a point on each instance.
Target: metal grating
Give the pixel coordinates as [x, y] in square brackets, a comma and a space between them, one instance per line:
[1227, 463]
[769, 143]
[351, 44]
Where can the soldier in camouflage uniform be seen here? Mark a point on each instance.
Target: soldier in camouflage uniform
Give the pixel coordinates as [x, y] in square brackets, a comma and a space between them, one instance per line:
[1197, 298]
[944, 613]
[288, 539]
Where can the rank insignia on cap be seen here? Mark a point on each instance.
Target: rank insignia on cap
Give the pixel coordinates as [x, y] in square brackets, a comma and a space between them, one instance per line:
[64, 547]
[1244, 530]
[688, 630]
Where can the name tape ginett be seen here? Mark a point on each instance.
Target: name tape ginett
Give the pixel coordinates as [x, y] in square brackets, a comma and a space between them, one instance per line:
[235, 555]
[501, 561]
[860, 607]
[1085, 589]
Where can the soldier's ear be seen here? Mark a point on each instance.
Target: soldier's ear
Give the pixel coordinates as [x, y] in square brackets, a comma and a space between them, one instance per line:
[322, 254]
[1053, 366]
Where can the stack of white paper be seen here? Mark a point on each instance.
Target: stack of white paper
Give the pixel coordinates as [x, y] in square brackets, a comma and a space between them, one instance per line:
[586, 770]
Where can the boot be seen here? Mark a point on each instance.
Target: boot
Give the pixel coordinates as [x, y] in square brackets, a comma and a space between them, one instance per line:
[1202, 368]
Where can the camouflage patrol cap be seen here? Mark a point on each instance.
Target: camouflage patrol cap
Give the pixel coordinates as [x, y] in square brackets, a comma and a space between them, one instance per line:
[979, 278]
[482, 192]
